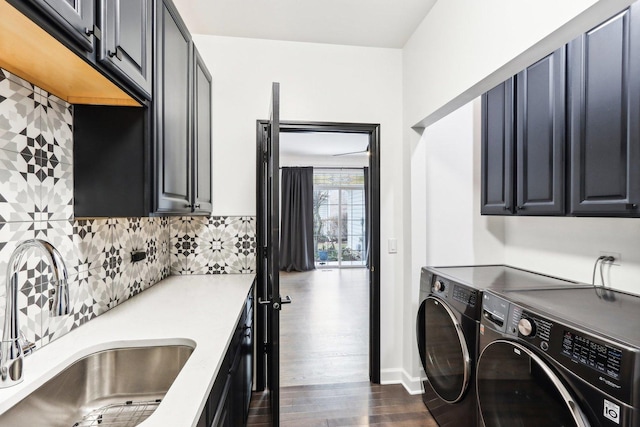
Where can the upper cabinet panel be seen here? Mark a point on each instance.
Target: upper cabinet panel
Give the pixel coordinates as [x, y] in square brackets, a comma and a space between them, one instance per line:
[202, 135]
[126, 43]
[540, 137]
[604, 94]
[74, 17]
[497, 150]
[172, 99]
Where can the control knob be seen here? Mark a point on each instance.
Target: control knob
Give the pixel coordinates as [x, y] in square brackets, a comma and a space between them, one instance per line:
[526, 327]
[439, 286]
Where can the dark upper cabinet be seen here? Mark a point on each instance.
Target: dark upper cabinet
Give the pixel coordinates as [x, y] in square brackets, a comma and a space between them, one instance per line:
[497, 150]
[604, 114]
[201, 135]
[172, 101]
[75, 17]
[111, 161]
[126, 43]
[540, 137]
[182, 102]
[156, 159]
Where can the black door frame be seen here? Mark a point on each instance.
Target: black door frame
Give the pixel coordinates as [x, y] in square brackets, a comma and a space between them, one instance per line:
[373, 130]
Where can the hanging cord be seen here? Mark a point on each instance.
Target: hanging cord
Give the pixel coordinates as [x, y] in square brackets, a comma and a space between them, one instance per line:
[601, 259]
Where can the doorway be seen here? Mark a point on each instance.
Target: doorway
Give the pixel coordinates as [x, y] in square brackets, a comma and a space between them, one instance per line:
[371, 132]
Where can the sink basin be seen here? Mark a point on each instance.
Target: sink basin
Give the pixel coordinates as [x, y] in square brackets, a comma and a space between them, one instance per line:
[116, 387]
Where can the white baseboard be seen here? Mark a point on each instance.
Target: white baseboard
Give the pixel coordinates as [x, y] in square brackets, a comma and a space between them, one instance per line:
[413, 385]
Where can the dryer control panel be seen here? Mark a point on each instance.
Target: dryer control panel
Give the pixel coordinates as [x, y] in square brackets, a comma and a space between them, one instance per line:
[462, 298]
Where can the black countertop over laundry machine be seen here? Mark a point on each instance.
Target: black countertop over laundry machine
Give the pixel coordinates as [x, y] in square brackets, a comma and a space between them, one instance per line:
[502, 277]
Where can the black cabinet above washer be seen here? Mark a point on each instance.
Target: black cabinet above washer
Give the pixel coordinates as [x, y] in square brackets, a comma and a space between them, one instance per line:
[604, 114]
[574, 146]
[523, 141]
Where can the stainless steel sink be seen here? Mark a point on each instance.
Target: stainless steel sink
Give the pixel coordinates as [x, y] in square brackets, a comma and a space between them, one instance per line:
[116, 387]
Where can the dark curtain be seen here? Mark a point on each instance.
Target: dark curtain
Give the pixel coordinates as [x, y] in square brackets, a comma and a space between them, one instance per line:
[367, 217]
[296, 231]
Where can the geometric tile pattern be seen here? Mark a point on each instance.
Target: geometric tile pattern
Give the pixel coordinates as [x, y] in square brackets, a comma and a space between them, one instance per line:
[36, 201]
[213, 245]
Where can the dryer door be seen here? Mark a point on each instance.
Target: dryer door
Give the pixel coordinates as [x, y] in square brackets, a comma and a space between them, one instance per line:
[517, 388]
[443, 350]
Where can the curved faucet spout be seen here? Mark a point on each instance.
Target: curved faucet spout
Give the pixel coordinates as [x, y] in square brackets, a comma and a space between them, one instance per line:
[10, 349]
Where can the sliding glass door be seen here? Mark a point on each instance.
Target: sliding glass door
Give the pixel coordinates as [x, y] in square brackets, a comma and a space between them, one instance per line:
[339, 218]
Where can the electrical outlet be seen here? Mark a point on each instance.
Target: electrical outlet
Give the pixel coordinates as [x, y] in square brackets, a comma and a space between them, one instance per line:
[616, 255]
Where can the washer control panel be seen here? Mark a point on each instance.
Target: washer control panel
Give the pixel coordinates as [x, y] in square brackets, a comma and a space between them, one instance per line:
[596, 359]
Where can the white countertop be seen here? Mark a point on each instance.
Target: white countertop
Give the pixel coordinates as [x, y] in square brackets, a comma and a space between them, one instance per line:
[193, 310]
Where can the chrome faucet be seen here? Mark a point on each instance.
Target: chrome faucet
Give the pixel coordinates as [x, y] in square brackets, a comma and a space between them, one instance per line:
[11, 352]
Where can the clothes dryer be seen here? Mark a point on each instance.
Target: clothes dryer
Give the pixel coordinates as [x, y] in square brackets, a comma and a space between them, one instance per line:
[559, 358]
[447, 332]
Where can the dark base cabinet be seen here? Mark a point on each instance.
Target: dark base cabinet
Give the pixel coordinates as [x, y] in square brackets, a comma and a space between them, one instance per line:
[228, 402]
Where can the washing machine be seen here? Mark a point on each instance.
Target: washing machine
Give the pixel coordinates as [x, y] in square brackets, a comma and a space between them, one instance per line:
[563, 357]
[447, 332]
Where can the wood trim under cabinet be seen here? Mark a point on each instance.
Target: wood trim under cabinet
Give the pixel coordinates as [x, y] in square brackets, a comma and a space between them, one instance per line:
[29, 52]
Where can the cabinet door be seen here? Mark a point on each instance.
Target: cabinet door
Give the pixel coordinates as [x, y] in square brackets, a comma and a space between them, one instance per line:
[604, 94]
[126, 42]
[220, 416]
[540, 137]
[172, 102]
[247, 357]
[202, 136]
[497, 150]
[74, 17]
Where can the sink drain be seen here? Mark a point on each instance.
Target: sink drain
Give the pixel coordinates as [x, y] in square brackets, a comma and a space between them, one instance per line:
[127, 414]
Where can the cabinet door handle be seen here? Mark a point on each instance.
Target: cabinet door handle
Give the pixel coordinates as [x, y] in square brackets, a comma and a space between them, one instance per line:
[188, 205]
[197, 206]
[632, 206]
[93, 31]
[117, 53]
[520, 208]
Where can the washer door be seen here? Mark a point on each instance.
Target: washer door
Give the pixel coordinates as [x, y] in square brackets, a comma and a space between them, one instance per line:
[443, 350]
[517, 388]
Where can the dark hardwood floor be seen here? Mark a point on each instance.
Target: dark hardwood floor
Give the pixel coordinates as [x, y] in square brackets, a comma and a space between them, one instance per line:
[345, 404]
[324, 360]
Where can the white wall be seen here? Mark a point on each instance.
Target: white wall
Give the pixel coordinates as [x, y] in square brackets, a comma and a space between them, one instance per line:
[465, 47]
[317, 83]
[568, 247]
[446, 224]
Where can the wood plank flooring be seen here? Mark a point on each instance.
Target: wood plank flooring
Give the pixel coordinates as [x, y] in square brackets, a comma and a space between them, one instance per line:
[324, 361]
[324, 333]
[345, 404]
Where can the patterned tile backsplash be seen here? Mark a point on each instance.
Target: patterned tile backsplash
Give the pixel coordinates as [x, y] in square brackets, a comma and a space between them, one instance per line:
[213, 245]
[36, 201]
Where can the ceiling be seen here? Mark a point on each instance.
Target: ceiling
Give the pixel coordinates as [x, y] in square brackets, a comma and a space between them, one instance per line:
[373, 23]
